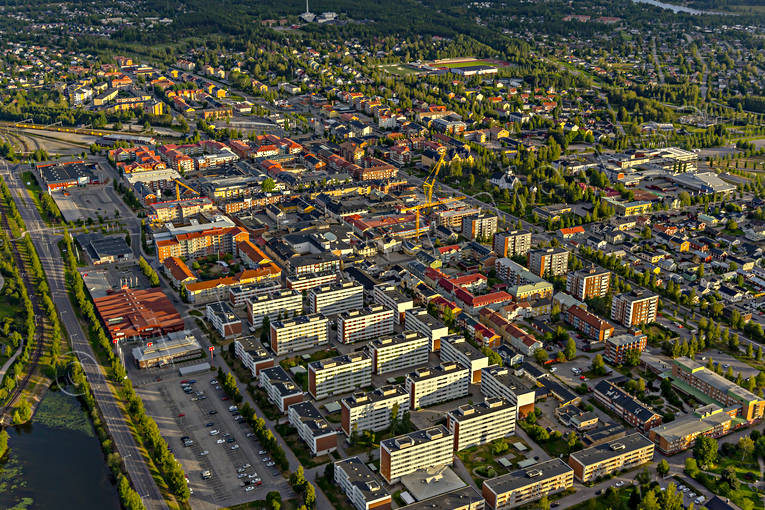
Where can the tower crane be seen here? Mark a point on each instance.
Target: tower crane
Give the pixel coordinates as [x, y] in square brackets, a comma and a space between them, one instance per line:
[178, 184]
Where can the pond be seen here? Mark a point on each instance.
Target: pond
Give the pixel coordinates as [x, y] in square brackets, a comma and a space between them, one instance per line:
[56, 461]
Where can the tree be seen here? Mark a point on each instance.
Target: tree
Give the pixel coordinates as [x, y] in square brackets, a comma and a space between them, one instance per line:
[265, 332]
[570, 350]
[3, 442]
[705, 451]
[643, 477]
[598, 365]
[632, 358]
[544, 503]
[691, 467]
[540, 355]
[572, 439]
[268, 185]
[729, 476]
[649, 502]
[746, 445]
[662, 467]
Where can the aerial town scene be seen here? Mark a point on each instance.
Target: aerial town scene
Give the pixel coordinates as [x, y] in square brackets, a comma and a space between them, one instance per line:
[354, 255]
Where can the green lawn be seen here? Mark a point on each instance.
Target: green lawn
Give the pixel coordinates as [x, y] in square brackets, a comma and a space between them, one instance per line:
[482, 456]
[299, 448]
[400, 69]
[615, 499]
[468, 63]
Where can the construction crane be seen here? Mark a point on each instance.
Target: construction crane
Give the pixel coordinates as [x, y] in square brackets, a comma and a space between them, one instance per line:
[178, 185]
[427, 187]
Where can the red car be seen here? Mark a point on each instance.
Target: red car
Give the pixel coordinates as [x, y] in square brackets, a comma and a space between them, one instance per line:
[181, 415]
[224, 398]
[582, 378]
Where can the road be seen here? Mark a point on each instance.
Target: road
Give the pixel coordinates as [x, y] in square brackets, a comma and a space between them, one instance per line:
[656, 63]
[53, 265]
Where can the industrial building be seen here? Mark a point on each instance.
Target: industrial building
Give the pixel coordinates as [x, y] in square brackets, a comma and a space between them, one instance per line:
[134, 313]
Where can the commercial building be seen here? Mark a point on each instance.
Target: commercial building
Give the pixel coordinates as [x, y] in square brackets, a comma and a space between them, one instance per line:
[253, 355]
[281, 390]
[334, 299]
[588, 283]
[681, 434]
[482, 226]
[135, 313]
[429, 386]
[523, 284]
[602, 460]
[422, 449]
[312, 428]
[588, 323]
[502, 382]
[526, 485]
[103, 249]
[223, 319]
[339, 375]
[477, 424]
[405, 350]
[633, 411]
[618, 346]
[548, 262]
[175, 347]
[688, 373]
[512, 243]
[462, 499]
[418, 319]
[298, 333]
[372, 411]
[360, 485]
[371, 322]
[218, 289]
[633, 308]
[456, 348]
[65, 175]
[284, 303]
[388, 295]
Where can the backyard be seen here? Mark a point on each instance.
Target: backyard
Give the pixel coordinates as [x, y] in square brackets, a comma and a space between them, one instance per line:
[481, 461]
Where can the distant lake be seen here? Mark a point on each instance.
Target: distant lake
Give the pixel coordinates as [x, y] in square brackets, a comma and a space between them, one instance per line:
[56, 462]
[675, 8]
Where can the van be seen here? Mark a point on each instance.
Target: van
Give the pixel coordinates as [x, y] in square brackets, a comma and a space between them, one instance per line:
[206, 475]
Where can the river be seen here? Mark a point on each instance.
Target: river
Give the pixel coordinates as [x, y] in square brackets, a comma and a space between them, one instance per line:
[675, 8]
[56, 461]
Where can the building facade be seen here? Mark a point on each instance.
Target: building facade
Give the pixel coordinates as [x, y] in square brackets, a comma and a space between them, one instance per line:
[284, 303]
[422, 449]
[371, 322]
[374, 410]
[602, 460]
[405, 350]
[512, 243]
[474, 425]
[302, 332]
[633, 308]
[432, 385]
[339, 375]
[549, 261]
[588, 283]
[335, 299]
[526, 485]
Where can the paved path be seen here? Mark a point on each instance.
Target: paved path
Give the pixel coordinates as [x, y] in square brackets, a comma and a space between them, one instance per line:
[53, 266]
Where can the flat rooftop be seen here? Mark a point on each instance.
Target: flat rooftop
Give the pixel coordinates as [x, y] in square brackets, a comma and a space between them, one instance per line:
[605, 451]
[415, 438]
[425, 484]
[461, 498]
[362, 478]
[393, 340]
[424, 373]
[471, 411]
[689, 425]
[360, 398]
[523, 477]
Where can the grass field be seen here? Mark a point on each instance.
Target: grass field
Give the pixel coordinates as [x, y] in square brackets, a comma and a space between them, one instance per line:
[400, 69]
[467, 63]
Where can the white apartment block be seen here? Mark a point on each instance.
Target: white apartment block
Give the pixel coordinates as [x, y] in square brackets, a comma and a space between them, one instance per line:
[501, 382]
[372, 411]
[388, 295]
[391, 353]
[418, 319]
[334, 299]
[371, 322]
[456, 348]
[300, 333]
[419, 450]
[339, 375]
[430, 386]
[284, 303]
[474, 425]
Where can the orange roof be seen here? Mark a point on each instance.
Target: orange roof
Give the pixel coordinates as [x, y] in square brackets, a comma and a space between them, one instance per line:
[254, 253]
[178, 269]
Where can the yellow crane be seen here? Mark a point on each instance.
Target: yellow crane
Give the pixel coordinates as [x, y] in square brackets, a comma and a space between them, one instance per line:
[427, 187]
[178, 185]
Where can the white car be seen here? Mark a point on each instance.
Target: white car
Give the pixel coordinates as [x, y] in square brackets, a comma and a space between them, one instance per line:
[553, 369]
[699, 500]
[249, 488]
[204, 453]
[619, 483]
[235, 447]
[214, 432]
[220, 441]
[270, 464]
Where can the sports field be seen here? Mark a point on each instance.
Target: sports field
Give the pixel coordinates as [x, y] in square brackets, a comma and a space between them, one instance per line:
[467, 63]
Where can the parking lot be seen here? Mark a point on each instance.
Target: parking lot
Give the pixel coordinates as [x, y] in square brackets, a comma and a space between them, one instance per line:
[216, 442]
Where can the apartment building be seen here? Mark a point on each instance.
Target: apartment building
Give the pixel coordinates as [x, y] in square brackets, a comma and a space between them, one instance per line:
[512, 243]
[312, 428]
[223, 319]
[371, 322]
[193, 239]
[602, 460]
[239, 294]
[361, 486]
[588, 323]
[482, 226]
[477, 424]
[253, 355]
[523, 284]
[335, 299]
[588, 283]
[388, 295]
[548, 262]
[633, 308]
[633, 411]
[618, 346]
[372, 411]
[280, 388]
[207, 291]
[456, 348]
[503, 382]
[418, 319]
[339, 375]
[309, 281]
[302, 332]
[405, 350]
[418, 450]
[429, 386]
[689, 375]
[681, 434]
[526, 485]
[466, 498]
[282, 303]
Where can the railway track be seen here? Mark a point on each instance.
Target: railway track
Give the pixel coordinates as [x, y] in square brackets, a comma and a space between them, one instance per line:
[34, 361]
